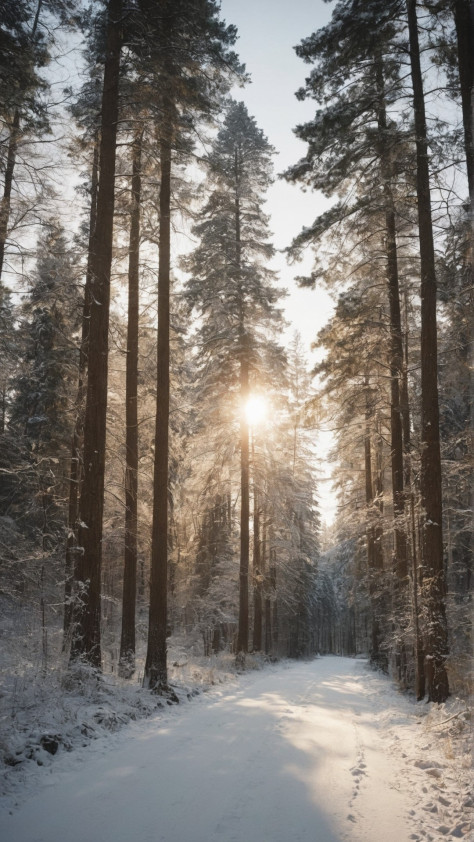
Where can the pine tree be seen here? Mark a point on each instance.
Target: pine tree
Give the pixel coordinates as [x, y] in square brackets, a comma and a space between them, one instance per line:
[86, 628]
[186, 39]
[232, 291]
[41, 409]
[127, 642]
[25, 46]
[354, 371]
[356, 73]
[436, 647]
[40, 415]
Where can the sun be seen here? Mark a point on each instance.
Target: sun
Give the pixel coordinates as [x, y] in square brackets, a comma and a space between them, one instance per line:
[255, 410]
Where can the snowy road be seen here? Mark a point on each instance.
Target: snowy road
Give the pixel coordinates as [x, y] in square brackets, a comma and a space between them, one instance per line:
[295, 753]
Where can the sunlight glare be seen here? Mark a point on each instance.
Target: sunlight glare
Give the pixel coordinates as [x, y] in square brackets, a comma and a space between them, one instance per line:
[255, 410]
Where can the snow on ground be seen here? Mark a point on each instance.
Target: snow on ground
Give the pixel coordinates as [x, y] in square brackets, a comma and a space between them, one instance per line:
[320, 751]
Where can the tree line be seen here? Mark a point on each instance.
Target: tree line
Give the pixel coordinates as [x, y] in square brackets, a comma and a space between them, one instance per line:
[138, 491]
[399, 175]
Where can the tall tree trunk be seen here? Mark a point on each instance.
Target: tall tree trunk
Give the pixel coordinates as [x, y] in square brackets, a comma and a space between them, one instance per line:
[409, 485]
[374, 550]
[156, 670]
[243, 629]
[436, 634]
[87, 614]
[243, 632]
[257, 569]
[266, 615]
[396, 343]
[127, 640]
[275, 618]
[400, 561]
[75, 471]
[7, 186]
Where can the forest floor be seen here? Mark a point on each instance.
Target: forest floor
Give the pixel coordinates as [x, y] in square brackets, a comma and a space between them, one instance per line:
[314, 751]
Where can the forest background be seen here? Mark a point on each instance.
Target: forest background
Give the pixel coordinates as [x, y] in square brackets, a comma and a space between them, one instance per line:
[161, 441]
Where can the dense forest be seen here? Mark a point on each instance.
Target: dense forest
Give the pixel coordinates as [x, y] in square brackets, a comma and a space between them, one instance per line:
[158, 462]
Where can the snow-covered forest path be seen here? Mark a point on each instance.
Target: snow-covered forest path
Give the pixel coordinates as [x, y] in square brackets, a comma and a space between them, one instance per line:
[301, 752]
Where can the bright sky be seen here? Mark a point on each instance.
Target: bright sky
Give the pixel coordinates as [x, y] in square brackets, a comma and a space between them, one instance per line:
[268, 31]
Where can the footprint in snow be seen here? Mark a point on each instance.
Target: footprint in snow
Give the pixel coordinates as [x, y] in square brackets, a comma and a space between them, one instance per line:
[461, 830]
[427, 764]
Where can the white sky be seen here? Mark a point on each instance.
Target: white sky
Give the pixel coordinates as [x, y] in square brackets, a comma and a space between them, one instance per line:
[268, 31]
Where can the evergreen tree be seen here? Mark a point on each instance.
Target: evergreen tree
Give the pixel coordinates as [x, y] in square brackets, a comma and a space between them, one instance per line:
[436, 646]
[233, 293]
[356, 72]
[42, 406]
[354, 371]
[25, 47]
[86, 628]
[187, 50]
[41, 417]
[127, 643]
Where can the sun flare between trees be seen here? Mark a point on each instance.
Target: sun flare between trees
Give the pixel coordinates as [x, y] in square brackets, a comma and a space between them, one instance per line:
[256, 410]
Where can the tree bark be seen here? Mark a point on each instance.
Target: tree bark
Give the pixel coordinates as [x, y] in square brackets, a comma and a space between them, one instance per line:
[396, 343]
[409, 485]
[243, 633]
[243, 629]
[374, 548]
[75, 471]
[156, 671]
[87, 615]
[275, 636]
[257, 571]
[127, 640]
[436, 637]
[7, 186]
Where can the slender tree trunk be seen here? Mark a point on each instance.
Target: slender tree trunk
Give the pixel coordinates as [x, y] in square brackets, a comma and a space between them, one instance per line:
[87, 614]
[420, 684]
[409, 484]
[400, 561]
[257, 571]
[7, 186]
[396, 343]
[156, 670]
[127, 640]
[275, 618]
[265, 587]
[374, 554]
[75, 471]
[243, 633]
[436, 636]
[243, 630]
[3, 402]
